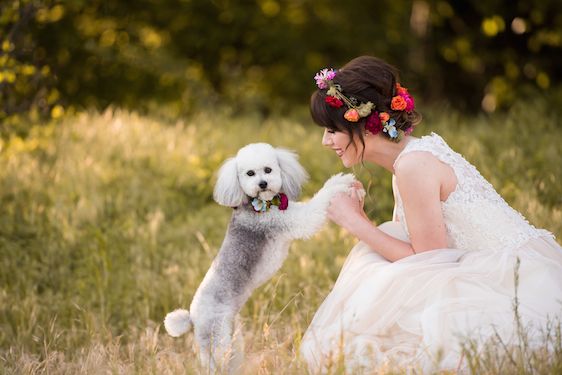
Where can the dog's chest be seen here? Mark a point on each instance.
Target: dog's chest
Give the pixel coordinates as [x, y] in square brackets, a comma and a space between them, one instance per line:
[260, 244]
[272, 259]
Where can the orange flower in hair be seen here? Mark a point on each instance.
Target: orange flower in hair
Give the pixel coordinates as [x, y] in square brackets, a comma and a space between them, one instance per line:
[401, 90]
[398, 103]
[384, 116]
[351, 115]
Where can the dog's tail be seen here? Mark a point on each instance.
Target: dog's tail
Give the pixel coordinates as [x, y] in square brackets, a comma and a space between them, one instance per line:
[177, 322]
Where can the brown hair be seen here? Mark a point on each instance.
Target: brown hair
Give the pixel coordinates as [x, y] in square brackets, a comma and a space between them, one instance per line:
[365, 78]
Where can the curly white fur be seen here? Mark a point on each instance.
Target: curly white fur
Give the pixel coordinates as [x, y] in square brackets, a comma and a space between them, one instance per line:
[255, 245]
[177, 322]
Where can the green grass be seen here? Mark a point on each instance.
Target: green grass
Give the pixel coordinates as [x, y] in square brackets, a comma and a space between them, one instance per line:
[108, 223]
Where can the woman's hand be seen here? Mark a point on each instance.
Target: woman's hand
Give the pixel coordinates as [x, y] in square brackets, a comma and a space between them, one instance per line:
[347, 211]
[347, 208]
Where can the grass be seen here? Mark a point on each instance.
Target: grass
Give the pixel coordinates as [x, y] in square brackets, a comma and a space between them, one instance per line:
[108, 223]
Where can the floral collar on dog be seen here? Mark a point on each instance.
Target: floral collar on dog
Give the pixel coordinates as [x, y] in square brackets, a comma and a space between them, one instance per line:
[280, 200]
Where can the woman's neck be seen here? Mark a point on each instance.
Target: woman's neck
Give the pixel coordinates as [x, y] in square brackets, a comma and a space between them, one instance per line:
[383, 152]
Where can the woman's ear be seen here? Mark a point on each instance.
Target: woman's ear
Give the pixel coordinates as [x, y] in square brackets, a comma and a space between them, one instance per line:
[227, 189]
[293, 174]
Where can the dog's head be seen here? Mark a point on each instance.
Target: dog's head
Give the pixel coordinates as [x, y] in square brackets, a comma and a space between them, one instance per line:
[259, 170]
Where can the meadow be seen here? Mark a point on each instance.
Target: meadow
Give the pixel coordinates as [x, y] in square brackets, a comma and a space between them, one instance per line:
[107, 223]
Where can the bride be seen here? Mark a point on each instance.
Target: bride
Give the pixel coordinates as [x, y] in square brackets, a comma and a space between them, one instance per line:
[452, 261]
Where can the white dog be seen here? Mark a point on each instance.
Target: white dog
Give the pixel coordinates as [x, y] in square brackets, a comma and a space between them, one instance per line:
[256, 183]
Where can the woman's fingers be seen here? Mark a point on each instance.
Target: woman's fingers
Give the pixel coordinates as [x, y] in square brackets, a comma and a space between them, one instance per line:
[357, 184]
[357, 193]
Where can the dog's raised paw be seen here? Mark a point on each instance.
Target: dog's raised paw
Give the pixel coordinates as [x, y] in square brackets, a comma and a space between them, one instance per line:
[340, 181]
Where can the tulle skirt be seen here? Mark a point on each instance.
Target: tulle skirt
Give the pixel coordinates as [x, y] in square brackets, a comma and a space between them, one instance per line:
[417, 312]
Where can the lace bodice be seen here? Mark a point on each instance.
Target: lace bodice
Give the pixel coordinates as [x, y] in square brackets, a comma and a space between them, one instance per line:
[476, 216]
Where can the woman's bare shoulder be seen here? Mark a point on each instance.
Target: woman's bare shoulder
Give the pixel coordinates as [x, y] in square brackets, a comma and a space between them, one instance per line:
[416, 164]
[419, 171]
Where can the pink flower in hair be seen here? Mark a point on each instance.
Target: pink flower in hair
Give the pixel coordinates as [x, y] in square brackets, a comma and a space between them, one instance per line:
[408, 99]
[409, 103]
[323, 76]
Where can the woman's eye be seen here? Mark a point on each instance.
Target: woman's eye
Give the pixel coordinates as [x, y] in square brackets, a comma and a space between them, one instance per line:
[250, 173]
[331, 131]
[267, 170]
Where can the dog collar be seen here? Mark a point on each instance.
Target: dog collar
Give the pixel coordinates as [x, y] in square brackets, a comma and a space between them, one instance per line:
[280, 200]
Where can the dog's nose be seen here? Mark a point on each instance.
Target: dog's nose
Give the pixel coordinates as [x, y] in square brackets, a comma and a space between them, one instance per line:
[263, 184]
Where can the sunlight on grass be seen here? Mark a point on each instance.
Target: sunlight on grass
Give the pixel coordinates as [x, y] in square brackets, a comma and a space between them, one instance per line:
[108, 223]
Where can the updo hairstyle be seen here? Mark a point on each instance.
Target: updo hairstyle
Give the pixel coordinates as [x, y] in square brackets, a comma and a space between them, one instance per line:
[364, 78]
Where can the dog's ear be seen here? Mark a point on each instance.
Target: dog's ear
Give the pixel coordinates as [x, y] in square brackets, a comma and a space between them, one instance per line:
[227, 190]
[293, 174]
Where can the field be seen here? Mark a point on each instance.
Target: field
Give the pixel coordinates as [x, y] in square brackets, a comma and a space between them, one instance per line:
[107, 222]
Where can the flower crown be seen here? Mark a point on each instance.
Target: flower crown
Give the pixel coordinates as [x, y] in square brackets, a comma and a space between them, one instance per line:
[376, 121]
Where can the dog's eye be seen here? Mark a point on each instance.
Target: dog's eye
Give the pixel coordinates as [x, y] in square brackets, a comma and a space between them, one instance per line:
[267, 170]
[250, 173]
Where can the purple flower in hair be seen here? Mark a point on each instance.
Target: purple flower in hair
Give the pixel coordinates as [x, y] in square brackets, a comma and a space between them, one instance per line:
[323, 76]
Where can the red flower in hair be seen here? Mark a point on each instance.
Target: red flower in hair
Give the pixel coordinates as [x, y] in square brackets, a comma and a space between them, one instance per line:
[373, 124]
[333, 101]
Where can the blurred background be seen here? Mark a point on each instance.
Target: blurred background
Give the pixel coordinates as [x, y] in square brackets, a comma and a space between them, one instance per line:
[115, 116]
[61, 56]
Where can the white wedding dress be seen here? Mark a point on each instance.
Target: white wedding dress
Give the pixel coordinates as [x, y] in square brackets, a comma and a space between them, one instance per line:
[416, 312]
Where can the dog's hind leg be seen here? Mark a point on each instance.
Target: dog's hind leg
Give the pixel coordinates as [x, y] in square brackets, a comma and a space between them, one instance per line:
[237, 346]
[214, 339]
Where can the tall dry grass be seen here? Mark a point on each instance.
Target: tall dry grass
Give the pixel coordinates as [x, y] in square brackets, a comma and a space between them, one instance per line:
[108, 223]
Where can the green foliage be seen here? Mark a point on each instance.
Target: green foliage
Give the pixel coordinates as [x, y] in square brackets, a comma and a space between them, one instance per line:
[108, 223]
[59, 56]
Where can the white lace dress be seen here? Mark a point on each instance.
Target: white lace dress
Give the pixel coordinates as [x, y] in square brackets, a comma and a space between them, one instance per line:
[416, 312]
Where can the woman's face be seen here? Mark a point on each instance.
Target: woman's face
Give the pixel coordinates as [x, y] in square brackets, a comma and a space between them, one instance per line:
[339, 142]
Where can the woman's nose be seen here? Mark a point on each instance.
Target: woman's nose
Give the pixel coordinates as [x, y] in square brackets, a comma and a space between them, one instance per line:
[326, 139]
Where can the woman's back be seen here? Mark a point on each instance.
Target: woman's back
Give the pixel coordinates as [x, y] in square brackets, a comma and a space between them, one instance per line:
[475, 215]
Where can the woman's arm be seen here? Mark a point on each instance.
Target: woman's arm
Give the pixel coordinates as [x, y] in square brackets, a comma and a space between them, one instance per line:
[346, 210]
[418, 179]
[421, 178]
[389, 247]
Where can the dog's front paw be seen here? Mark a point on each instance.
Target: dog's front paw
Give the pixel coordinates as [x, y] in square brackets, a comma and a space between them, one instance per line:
[340, 182]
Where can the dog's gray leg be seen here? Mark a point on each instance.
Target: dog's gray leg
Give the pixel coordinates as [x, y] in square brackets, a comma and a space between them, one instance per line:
[237, 347]
[214, 341]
